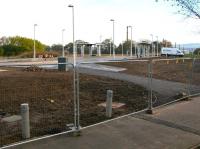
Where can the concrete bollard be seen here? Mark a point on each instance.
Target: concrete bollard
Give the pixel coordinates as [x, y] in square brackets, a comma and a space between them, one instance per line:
[25, 124]
[109, 103]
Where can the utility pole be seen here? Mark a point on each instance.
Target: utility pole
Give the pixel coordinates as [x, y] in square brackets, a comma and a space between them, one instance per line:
[122, 48]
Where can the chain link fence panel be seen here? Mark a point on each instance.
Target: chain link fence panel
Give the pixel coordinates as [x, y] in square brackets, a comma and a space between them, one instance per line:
[118, 76]
[49, 94]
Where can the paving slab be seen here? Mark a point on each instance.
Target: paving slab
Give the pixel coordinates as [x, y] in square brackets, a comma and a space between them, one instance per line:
[10, 119]
[102, 67]
[2, 70]
[124, 133]
[184, 113]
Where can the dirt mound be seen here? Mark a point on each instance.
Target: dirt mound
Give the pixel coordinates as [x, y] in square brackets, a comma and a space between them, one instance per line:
[33, 68]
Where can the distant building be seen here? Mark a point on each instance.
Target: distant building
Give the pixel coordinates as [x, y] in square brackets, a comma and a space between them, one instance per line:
[143, 48]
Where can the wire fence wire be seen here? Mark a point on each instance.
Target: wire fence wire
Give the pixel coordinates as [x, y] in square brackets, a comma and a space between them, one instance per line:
[49, 94]
[195, 76]
[170, 80]
[79, 95]
[97, 79]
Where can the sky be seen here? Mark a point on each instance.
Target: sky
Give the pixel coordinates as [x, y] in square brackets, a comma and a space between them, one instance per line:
[92, 20]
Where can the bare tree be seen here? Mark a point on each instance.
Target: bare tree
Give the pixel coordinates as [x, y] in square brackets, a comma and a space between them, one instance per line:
[189, 8]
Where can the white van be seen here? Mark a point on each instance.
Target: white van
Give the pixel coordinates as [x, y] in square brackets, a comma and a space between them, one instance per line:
[171, 52]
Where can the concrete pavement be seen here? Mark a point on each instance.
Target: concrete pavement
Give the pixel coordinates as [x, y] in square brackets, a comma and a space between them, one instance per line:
[168, 128]
[126, 133]
[188, 113]
[184, 115]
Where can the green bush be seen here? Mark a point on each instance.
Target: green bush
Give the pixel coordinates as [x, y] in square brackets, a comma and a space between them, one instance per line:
[197, 51]
[27, 43]
[18, 45]
[1, 51]
[11, 50]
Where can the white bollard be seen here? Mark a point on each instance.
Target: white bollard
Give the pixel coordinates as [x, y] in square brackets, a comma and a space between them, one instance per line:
[109, 103]
[25, 124]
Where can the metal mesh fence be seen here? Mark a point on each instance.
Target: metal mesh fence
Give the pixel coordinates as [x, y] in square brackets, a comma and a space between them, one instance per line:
[170, 77]
[54, 102]
[97, 79]
[49, 94]
[195, 76]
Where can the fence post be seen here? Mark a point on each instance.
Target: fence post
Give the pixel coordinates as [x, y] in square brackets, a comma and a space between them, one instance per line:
[75, 94]
[109, 103]
[78, 98]
[77, 131]
[25, 124]
[191, 69]
[150, 92]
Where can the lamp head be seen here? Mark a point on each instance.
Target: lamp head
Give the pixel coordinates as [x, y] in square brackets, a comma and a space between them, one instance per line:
[70, 5]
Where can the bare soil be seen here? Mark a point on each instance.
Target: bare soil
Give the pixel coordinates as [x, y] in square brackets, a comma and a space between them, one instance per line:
[178, 70]
[50, 98]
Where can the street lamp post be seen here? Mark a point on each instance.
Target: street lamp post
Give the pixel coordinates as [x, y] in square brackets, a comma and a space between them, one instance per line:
[110, 46]
[131, 52]
[34, 51]
[74, 49]
[122, 48]
[75, 80]
[63, 52]
[157, 45]
[112, 20]
[152, 44]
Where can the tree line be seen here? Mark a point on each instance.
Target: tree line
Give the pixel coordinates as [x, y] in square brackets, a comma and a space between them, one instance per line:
[16, 46]
[13, 46]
